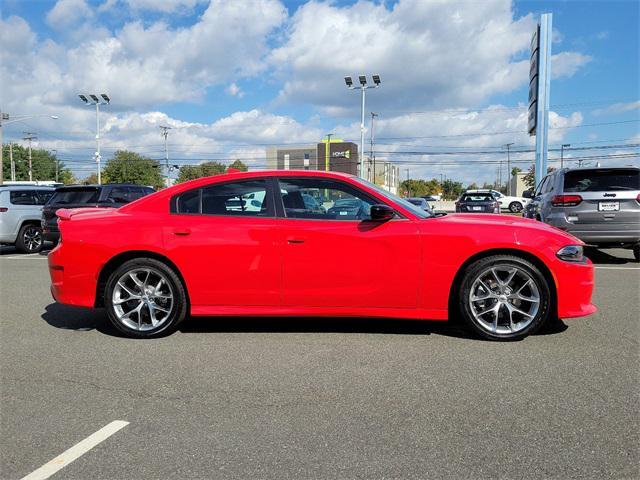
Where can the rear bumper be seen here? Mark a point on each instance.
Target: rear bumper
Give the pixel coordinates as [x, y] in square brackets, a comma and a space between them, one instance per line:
[597, 233]
[71, 283]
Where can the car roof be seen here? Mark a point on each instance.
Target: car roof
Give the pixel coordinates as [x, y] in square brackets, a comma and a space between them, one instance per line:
[27, 187]
[95, 185]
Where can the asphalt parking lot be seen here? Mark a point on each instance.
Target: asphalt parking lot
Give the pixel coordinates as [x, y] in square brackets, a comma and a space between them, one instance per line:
[322, 398]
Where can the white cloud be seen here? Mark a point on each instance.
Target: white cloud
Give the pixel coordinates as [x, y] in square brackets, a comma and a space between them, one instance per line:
[234, 90]
[165, 6]
[566, 64]
[618, 108]
[67, 12]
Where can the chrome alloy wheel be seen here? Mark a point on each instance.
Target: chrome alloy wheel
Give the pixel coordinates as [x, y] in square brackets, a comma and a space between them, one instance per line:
[143, 299]
[504, 299]
[32, 238]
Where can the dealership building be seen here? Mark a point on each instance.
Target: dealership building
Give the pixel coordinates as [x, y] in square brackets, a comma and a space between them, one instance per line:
[340, 156]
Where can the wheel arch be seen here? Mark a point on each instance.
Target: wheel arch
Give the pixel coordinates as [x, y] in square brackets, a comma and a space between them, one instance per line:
[542, 266]
[120, 258]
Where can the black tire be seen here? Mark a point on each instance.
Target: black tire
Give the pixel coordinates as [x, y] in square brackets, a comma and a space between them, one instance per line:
[636, 253]
[515, 207]
[30, 239]
[177, 313]
[504, 261]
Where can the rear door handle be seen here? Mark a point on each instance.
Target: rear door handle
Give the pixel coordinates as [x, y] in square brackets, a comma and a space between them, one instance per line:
[295, 240]
[182, 232]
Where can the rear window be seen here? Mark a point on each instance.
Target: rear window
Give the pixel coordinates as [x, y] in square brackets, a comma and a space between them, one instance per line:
[75, 196]
[602, 180]
[477, 198]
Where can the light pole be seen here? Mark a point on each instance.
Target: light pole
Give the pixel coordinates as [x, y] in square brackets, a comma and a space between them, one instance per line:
[363, 86]
[54, 152]
[326, 152]
[105, 100]
[562, 147]
[6, 119]
[508, 145]
[165, 132]
[29, 136]
[408, 187]
[373, 158]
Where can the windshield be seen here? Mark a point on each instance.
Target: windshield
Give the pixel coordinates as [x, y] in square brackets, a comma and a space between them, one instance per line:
[417, 211]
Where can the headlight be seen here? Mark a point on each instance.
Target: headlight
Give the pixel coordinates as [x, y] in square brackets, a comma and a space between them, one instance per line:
[571, 253]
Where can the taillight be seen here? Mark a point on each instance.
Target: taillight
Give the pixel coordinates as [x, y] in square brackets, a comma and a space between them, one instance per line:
[638, 198]
[566, 200]
[4, 209]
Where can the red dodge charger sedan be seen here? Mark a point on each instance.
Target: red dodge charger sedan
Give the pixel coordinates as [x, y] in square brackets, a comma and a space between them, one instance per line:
[304, 243]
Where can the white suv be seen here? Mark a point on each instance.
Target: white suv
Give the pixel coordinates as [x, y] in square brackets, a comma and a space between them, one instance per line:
[513, 204]
[20, 214]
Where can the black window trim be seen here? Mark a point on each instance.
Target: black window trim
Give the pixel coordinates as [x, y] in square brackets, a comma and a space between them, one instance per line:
[280, 205]
[173, 203]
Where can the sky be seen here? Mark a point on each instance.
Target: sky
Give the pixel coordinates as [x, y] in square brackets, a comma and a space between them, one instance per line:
[232, 77]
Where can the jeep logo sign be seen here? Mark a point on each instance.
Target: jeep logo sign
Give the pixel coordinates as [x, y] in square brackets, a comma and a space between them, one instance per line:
[609, 194]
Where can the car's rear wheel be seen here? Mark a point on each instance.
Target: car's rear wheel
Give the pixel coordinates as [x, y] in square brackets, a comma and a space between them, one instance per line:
[504, 297]
[515, 207]
[29, 239]
[145, 298]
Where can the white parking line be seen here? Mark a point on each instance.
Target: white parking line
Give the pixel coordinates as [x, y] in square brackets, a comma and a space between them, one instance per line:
[76, 451]
[618, 268]
[34, 256]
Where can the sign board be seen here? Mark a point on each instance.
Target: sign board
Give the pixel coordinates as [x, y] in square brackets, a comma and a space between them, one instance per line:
[534, 69]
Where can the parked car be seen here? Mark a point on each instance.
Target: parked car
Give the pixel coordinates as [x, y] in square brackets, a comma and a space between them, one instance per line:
[154, 261]
[511, 203]
[20, 213]
[421, 202]
[600, 206]
[110, 195]
[477, 203]
[351, 208]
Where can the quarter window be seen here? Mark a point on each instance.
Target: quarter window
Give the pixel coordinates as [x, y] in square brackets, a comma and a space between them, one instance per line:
[323, 199]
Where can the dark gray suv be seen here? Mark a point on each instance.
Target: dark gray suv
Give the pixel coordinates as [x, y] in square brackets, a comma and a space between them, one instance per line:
[600, 206]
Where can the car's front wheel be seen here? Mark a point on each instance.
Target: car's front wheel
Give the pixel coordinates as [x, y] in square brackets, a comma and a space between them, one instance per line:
[504, 297]
[29, 239]
[145, 298]
[515, 207]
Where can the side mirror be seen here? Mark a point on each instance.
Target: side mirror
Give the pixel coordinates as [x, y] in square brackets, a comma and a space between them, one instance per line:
[527, 194]
[381, 213]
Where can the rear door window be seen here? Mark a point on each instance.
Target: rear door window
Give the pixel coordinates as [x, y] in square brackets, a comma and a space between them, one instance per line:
[602, 180]
[75, 196]
[23, 197]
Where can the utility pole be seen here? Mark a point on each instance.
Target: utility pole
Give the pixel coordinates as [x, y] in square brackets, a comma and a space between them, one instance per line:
[363, 86]
[13, 165]
[105, 100]
[165, 133]
[373, 158]
[29, 136]
[508, 145]
[326, 152]
[3, 116]
[562, 147]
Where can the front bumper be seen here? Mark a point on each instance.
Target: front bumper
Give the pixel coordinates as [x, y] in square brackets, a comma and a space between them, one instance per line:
[574, 284]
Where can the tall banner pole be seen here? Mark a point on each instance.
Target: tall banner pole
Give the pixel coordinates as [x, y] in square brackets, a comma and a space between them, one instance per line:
[544, 86]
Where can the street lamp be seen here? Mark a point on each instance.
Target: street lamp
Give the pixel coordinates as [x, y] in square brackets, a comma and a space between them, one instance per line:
[562, 147]
[94, 100]
[363, 86]
[6, 119]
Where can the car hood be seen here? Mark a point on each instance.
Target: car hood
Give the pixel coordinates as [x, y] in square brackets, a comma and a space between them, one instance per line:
[499, 222]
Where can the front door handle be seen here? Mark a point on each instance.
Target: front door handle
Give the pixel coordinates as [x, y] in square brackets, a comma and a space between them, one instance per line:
[295, 240]
[182, 232]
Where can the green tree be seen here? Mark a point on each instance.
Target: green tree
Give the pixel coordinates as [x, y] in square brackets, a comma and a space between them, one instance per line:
[91, 179]
[420, 188]
[451, 190]
[530, 178]
[472, 186]
[239, 165]
[130, 167]
[43, 164]
[206, 169]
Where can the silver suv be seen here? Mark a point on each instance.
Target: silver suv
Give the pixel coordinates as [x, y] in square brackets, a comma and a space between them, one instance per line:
[600, 206]
[20, 213]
